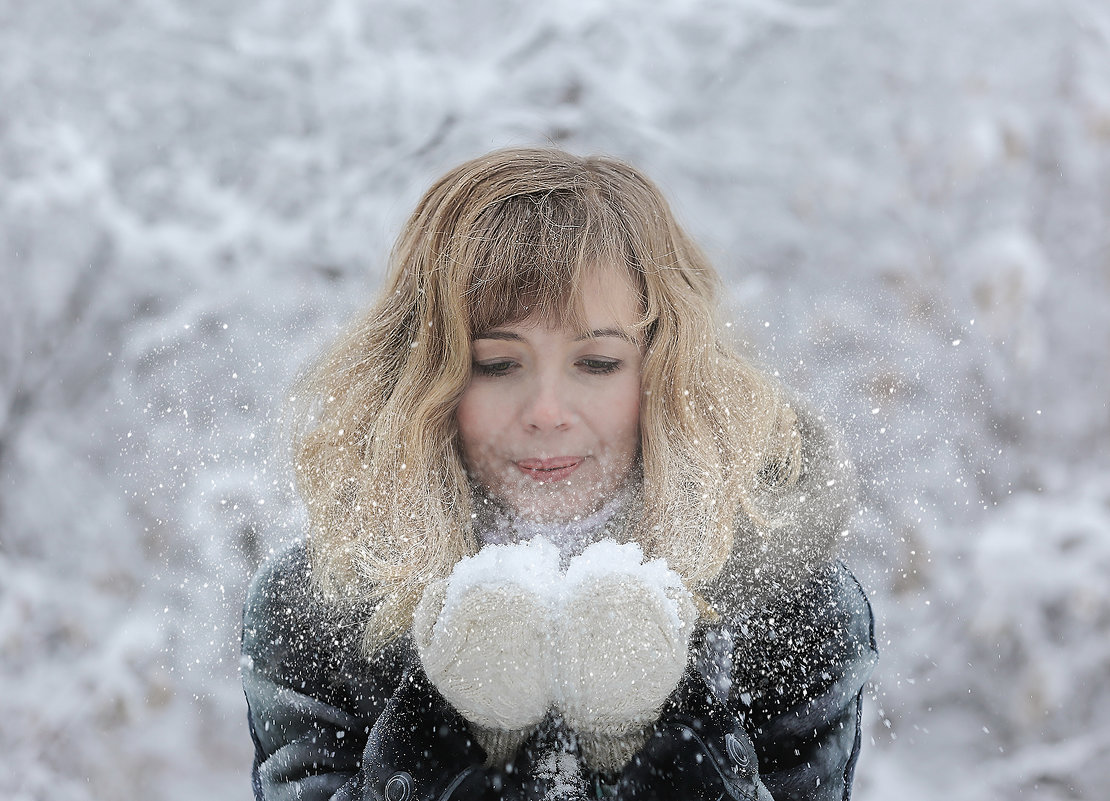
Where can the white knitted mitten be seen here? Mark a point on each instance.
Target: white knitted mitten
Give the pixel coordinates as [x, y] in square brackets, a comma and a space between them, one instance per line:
[483, 637]
[622, 646]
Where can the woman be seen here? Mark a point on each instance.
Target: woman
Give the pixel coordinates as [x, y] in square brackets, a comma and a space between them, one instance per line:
[564, 542]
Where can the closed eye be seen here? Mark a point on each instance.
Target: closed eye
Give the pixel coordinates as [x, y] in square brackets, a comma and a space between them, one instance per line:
[600, 366]
[496, 368]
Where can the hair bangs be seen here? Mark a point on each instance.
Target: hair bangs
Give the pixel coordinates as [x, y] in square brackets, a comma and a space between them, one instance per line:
[533, 255]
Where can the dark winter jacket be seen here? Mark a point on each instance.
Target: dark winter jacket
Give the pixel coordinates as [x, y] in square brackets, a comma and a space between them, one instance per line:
[769, 706]
[327, 724]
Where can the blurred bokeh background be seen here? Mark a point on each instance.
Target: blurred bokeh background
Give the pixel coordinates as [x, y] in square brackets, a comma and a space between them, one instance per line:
[909, 202]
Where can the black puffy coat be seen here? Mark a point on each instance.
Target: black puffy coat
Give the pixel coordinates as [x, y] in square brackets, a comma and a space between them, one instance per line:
[769, 705]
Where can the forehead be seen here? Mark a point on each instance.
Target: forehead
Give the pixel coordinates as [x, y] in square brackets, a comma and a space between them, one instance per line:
[608, 296]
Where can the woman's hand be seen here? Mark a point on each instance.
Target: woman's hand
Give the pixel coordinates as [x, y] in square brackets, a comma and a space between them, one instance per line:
[483, 635]
[506, 636]
[621, 642]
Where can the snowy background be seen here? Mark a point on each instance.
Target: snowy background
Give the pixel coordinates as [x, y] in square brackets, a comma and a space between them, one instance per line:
[910, 203]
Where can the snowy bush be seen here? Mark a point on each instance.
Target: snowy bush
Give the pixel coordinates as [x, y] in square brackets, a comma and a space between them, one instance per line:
[908, 203]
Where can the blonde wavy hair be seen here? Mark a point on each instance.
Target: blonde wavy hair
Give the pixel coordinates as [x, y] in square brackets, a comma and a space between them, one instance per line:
[499, 238]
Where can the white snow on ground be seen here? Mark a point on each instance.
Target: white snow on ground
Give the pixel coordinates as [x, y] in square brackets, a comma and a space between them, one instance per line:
[908, 202]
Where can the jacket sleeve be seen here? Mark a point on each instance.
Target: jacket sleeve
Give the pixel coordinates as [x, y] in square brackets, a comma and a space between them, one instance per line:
[794, 674]
[327, 724]
[311, 698]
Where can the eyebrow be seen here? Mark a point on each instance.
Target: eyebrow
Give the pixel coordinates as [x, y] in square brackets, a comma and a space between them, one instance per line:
[507, 336]
[606, 332]
[512, 336]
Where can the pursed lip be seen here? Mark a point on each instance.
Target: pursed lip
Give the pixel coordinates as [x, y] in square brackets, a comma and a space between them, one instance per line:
[554, 469]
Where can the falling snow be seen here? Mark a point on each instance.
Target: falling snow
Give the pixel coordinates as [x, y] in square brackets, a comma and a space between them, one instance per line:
[908, 204]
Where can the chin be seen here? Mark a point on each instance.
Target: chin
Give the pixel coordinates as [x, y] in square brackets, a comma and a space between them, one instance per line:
[558, 502]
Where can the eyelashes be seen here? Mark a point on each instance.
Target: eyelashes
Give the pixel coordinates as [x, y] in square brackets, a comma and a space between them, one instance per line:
[591, 366]
[494, 369]
[600, 366]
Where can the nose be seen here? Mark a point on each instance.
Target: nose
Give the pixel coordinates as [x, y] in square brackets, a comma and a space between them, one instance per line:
[546, 407]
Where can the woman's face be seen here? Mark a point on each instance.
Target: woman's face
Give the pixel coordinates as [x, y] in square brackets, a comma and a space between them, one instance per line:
[550, 422]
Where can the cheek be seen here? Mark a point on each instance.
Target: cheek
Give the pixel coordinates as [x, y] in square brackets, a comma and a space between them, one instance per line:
[632, 426]
[623, 419]
[474, 424]
[484, 434]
